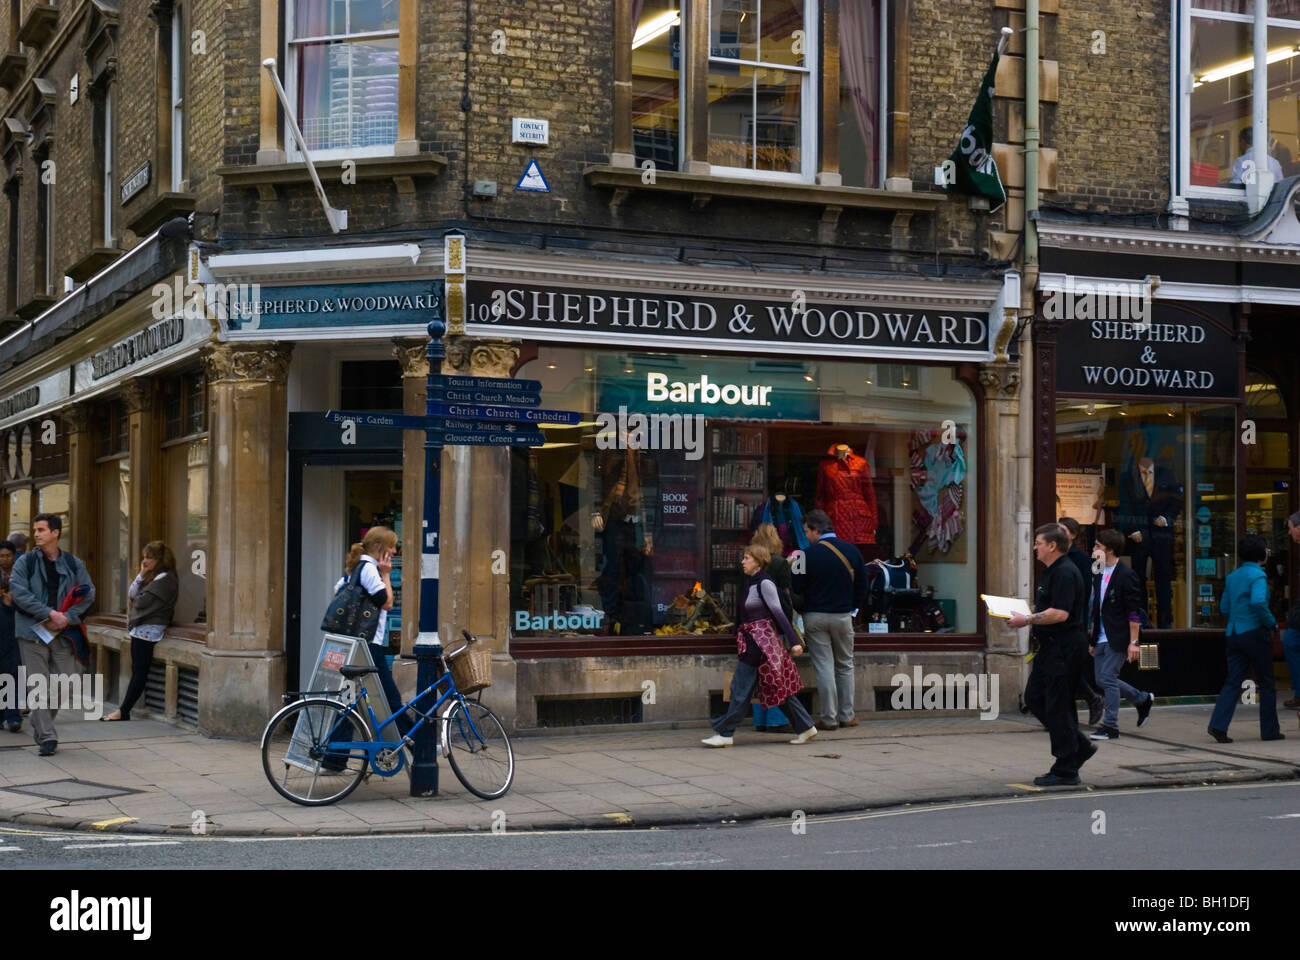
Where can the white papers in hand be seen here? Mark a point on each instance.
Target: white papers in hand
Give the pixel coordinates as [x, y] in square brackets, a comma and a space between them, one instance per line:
[1004, 607]
[43, 633]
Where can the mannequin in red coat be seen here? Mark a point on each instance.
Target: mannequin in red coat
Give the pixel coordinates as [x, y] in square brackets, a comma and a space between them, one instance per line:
[846, 493]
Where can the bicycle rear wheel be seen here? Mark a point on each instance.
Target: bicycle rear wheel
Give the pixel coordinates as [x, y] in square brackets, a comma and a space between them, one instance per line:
[297, 758]
[479, 750]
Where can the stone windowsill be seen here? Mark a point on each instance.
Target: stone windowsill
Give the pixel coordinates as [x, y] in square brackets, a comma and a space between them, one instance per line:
[92, 263]
[402, 169]
[165, 206]
[39, 26]
[36, 305]
[182, 643]
[12, 68]
[705, 186]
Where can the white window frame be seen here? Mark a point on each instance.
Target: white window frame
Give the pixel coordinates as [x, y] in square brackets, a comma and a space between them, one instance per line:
[808, 99]
[109, 165]
[1182, 94]
[292, 46]
[179, 49]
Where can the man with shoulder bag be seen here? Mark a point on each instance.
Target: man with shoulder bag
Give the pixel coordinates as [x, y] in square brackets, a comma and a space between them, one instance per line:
[834, 588]
[51, 592]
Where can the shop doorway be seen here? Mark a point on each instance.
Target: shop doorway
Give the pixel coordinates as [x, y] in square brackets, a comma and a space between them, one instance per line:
[336, 493]
[1270, 483]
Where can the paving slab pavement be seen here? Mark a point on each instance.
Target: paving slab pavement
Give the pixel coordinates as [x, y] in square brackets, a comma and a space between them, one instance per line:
[174, 779]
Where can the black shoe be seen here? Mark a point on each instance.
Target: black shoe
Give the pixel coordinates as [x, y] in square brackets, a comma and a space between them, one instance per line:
[1105, 733]
[48, 747]
[1095, 710]
[1276, 736]
[1087, 752]
[1056, 780]
[1144, 710]
[1220, 735]
[15, 726]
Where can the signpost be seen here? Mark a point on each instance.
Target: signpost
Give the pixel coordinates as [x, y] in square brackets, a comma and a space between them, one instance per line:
[471, 411]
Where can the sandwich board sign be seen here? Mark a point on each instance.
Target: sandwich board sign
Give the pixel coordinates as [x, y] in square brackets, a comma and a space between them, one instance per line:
[336, 650]
[533, 179]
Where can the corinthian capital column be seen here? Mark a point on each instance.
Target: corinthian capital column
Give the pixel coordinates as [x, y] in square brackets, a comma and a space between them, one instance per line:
[243, 668]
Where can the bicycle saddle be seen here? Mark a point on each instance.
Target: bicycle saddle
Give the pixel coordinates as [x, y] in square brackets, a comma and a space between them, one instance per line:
[357, 671]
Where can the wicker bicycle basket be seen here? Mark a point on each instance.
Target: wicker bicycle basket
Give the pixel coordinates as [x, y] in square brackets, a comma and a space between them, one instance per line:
[471, 670]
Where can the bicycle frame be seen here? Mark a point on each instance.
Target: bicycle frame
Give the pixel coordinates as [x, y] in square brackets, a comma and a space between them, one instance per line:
[372, 747]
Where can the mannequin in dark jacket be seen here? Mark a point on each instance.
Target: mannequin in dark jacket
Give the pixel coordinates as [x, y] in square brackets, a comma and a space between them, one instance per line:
[153, 596]
[1150, 501]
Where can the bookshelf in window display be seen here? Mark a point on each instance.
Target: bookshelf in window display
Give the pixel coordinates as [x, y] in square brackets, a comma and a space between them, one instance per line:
[738, 475]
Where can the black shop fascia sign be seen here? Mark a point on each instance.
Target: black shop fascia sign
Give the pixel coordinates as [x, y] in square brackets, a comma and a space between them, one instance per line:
[1174, 354]
[864, 325]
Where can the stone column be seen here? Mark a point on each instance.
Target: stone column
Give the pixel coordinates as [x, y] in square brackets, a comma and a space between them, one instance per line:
[1001, 382]
[241, 677]
[412, 354]
[79, 537]
[474, 586]
[146, 508]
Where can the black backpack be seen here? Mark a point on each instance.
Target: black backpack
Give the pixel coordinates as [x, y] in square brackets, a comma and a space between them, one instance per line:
[351, 612]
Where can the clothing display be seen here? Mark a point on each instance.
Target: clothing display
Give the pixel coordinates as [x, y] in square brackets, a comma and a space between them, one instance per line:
[1150, 500]
[938, 477]
[784, 514]
[846, 492]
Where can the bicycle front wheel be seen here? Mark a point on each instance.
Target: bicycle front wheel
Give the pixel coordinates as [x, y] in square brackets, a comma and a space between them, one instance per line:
[297, 756]
[479, 750]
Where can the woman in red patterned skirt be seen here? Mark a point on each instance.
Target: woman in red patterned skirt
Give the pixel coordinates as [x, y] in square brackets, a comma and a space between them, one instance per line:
[765, 640]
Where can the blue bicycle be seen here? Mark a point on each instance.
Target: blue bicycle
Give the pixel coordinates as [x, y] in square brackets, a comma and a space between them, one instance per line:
[319, 748]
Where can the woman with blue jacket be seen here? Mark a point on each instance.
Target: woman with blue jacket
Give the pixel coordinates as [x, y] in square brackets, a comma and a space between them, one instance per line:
[1250, 641]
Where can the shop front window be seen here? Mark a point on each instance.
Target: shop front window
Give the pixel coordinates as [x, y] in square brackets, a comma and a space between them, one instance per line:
[1164, 475]
[187, 525]
[116, 566]
[634, 521]
[20, 511]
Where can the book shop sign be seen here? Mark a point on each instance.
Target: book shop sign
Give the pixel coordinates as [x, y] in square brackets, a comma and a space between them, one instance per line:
[861, 324]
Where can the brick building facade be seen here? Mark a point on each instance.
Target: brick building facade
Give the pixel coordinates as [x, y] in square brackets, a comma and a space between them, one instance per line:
[820, 186]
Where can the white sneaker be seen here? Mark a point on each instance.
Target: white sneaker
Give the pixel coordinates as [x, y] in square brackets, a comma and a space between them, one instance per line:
[805, 736]
[717, 740]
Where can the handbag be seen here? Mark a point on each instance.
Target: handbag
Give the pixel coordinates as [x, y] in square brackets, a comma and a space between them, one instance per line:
[351, 612]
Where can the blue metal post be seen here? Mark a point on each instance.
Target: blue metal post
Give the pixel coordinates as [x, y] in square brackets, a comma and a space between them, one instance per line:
[428, 650]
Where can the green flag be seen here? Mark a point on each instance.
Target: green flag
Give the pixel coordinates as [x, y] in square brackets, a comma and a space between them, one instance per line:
[976, 173]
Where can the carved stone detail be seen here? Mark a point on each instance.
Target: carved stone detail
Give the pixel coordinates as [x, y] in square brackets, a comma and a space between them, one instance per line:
[413, 355]
[493, 358]
[77, 418]
[457, 350]
[1001, 380]
[137, 395]
[232, 362]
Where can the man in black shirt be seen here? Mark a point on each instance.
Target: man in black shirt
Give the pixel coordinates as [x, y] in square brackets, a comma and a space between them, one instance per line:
[1083, 685]
[1059, 624]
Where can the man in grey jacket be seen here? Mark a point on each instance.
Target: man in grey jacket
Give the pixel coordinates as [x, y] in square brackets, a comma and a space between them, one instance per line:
[41, 582]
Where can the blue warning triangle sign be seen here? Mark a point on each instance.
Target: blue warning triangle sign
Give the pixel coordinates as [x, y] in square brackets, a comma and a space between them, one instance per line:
[533, 179]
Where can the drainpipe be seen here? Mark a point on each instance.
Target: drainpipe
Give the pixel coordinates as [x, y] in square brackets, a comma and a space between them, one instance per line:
[1025, 477]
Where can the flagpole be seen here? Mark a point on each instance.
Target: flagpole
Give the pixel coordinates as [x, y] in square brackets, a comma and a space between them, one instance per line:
[1004, 40]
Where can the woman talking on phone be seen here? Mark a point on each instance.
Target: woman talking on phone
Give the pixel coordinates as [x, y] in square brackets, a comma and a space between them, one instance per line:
[375, 554]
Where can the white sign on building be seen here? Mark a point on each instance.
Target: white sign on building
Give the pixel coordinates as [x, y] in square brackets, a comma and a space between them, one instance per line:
[536, 132]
